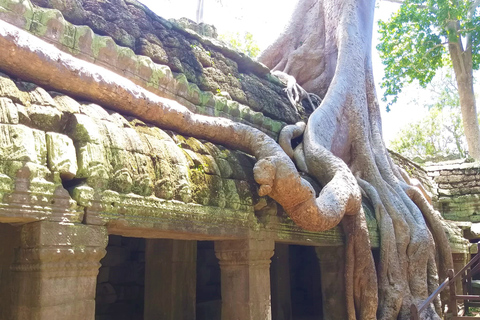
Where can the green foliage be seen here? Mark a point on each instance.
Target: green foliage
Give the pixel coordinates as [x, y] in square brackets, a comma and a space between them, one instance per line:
[413, 42]
[245, 43]
[440, 133]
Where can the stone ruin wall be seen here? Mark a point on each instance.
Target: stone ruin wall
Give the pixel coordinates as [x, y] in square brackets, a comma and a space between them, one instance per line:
[457, 190]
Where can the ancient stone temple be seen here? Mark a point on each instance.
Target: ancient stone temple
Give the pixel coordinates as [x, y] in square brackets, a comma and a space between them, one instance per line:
[104, 215]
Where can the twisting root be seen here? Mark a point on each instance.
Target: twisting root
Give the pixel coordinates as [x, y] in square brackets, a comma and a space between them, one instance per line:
[390, 289]
[294, 91]
[415, 183]
[434, 221]
[289, 133]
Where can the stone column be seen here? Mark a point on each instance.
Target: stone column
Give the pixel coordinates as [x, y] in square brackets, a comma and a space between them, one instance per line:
[332, 269]
[170, 279]
[280, 283]
[459, 261]
[55, 269]
[245, 277]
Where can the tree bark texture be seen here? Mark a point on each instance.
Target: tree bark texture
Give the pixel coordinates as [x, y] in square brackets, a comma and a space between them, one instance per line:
[462, 67]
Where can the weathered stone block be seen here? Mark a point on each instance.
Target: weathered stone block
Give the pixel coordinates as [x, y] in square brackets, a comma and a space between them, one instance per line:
[232, 197]
[82, 128]
[217, 195]
[124, 168]
[18, 142]
[17, 12]
[93, 164]
[143, 181]
[94, 111]
[209, 165]
[45, 118]
[8, 111]
[55, 271]
[61, 155]
[37, 95]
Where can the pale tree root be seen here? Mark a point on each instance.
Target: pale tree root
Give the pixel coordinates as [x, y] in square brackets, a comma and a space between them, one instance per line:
[390, 288]
[360, 279]
[287, 134]
[434, 221]
[348, 124]
[415, 183]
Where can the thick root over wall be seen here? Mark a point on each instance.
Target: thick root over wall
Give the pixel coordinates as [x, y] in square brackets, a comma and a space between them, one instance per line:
[342, 137]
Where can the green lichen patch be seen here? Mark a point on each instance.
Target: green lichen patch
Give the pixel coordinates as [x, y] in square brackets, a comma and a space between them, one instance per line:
[65, 104]
[45, 118]
[93, 165]
[105, 50]
[20, 143]
[50, 24]
[232, 197]
[8, 111]
[83, 42]
[17, 12]
[61, 156]
[195, 145]
[8, 89]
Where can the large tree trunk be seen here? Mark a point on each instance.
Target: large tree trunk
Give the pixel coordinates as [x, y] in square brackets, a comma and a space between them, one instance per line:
[199, 14]
[327, 48]
[462, 67]
[342, 137]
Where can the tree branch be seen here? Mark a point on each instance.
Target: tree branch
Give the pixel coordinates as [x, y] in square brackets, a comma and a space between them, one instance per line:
[473, 6]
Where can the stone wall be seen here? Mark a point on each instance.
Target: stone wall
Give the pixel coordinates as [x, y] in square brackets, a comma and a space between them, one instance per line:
[109, 164]
[458, 190]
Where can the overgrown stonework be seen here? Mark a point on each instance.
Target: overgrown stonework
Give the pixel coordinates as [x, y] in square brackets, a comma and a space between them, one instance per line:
[111, 124]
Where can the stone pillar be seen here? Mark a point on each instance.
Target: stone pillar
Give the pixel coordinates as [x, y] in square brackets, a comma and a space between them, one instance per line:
[245, 278]
[459, 261]
[55, 269]
[332, 269]
[280, 283]
[170, 279]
